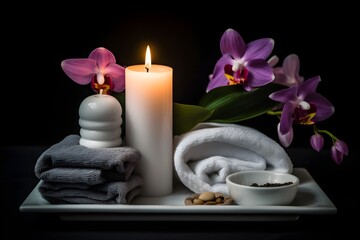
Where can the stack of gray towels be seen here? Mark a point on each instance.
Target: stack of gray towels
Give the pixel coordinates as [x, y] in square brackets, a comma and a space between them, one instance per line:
[72, 173]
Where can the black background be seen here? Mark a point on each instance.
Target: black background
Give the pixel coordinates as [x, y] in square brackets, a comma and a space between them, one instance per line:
[40, 103]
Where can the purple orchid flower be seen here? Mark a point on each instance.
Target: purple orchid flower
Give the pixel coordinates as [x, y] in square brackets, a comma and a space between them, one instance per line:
[288, 74]
[100, 69]
[302, 105]
[338, 150]
[242, 64]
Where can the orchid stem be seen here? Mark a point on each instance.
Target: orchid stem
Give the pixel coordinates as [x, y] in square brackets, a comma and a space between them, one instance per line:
[332, 136]
[274, 113]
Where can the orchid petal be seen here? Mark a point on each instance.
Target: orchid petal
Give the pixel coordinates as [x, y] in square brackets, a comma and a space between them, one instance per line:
[103, 57]
[232, 43]
[280, 78]
[286, 119]
[342, 147]
[317, 142]
[218, 77]
[285, 139]
[220, 64]
[278, 70]
[308, 87]
[260, 73]
[324, 108]
[338, 150]
[291, 66]
[273, 61]
[217, 81]
[100, 78]
[284, 95]
[259, 49]
[288, 75]
[80, 70]
[248, 88]
[336, 155]
[117, 75]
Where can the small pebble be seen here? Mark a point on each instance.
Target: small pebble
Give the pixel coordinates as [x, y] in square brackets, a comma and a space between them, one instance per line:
[209, 198]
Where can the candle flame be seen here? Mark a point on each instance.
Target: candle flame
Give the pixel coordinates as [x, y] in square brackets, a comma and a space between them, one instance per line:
[148, 59]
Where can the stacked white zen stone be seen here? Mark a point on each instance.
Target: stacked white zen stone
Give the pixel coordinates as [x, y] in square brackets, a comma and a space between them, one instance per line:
[100, 121]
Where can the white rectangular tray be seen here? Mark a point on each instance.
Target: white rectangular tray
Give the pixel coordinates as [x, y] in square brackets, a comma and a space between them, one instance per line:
[310, 200]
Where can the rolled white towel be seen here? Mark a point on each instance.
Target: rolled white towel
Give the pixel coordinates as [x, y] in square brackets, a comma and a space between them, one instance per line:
[206, 155]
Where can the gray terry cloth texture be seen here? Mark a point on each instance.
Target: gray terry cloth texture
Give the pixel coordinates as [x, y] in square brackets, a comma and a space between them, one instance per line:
[106, 193]
[72, 173]
[69, 162]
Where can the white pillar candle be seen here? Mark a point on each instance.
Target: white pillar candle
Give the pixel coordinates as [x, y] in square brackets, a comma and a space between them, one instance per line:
[149, 124]
[100, 121]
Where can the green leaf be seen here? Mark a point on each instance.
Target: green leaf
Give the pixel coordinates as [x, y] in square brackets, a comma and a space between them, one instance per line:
[234, 104]
[187, 116]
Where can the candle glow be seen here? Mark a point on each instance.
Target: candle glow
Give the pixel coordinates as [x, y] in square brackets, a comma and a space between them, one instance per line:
[148, 59]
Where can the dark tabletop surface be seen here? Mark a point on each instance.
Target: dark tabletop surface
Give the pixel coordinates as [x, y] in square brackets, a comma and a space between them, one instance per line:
[18, 180]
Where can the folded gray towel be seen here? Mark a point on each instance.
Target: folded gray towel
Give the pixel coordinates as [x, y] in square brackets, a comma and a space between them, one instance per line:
[106, 193]
[70, 162]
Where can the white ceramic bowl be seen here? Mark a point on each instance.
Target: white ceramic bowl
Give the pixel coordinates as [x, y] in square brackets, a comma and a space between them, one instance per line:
[241, 191]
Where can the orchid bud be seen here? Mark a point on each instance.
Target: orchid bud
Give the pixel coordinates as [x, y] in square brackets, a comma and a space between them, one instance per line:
[338, 150]
[317, 142]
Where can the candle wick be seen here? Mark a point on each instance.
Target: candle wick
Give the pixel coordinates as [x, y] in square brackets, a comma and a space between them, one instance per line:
[147, 69]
